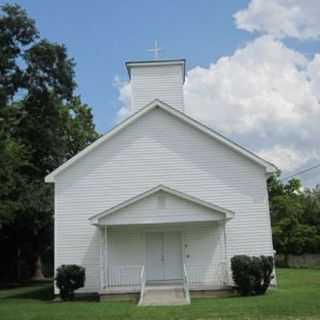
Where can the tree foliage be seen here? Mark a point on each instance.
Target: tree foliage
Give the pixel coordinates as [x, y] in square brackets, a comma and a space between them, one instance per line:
[295, 216]
[42, 124]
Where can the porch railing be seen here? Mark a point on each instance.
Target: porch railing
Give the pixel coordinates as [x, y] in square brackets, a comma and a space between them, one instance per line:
[186, 284]
[214, 275]
[143, 284]
[125, 275]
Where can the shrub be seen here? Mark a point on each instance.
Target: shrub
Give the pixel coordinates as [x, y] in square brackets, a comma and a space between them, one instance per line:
[252, 275]
[241, 274]
[69, 278]
[266, 265]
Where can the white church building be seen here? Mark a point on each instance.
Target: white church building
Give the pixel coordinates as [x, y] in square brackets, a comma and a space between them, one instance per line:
[160, 198]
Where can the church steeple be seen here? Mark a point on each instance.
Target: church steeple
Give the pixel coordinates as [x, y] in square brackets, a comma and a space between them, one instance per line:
[157, 79]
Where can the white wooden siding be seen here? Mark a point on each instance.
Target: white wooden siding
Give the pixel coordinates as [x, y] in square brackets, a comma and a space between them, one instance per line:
[158, 149]
[161, 207]
[157, 82]
[203, 244]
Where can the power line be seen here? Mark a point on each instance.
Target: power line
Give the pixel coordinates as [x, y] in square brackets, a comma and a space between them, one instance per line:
[301, 172]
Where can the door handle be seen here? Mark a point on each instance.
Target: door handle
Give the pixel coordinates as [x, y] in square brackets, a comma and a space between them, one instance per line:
[162, 258]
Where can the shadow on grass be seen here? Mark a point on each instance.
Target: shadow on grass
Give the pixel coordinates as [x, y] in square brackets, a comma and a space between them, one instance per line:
[35, 291]
[40, 291]
[24, 284]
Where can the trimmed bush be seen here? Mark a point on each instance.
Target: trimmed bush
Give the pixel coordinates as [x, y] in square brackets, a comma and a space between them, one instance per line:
[266, 272]
[69, 278]
[241, 274]
[252, 275]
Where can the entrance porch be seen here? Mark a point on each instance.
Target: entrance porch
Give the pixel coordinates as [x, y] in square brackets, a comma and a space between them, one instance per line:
[163, 237]
[163, 254]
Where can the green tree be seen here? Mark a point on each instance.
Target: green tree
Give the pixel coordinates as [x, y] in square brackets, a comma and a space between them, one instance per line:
[312, 207]
[295, 216]
[285, 207]
[42, 125]
[17, 32]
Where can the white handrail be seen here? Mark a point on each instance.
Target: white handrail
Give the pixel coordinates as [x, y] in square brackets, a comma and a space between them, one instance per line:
[186, 284]
[142, 283]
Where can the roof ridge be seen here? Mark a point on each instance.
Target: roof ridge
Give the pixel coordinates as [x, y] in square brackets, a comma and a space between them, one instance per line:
[179, 114]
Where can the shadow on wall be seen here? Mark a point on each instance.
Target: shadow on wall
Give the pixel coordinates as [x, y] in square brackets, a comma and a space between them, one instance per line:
[91, 262]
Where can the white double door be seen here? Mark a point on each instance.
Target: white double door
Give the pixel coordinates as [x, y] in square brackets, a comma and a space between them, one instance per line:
[163, 256]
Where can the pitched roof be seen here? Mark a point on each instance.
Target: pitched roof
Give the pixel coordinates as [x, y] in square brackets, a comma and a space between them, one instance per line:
[226, 212]
[269, 167]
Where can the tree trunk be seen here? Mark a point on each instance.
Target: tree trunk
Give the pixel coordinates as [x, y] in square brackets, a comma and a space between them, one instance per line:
[37, 273]
[18, 262]
[286, 260]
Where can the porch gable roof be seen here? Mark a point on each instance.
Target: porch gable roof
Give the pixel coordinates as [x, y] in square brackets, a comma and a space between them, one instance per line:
[95, 219]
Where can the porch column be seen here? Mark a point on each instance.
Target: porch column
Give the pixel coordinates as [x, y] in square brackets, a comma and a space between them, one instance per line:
[225, 244]
[106, 267]
[102, 259]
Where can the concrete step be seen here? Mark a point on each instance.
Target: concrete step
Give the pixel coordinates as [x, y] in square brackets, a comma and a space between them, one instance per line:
[164, 295]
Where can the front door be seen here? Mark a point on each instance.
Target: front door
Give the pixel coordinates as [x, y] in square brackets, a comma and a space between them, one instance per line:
[163, 256]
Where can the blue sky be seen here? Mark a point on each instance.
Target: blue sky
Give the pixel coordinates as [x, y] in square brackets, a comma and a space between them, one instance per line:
[258, 80]
[102, 35]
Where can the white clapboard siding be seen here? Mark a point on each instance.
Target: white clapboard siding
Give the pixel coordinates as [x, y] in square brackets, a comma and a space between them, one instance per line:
[158, 149]
[204, 252]
[161, 207]
[157, 82]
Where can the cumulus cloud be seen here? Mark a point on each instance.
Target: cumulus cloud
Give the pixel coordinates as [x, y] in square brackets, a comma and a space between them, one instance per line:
[261, 84]
[124, 98]
[264, 95]
[314, 75]
[281, 18]
[288, 157]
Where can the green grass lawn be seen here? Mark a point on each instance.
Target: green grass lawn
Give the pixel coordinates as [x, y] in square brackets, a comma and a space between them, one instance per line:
[297, 297]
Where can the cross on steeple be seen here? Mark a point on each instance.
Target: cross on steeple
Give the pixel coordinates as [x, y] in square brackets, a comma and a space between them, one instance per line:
[155, 50]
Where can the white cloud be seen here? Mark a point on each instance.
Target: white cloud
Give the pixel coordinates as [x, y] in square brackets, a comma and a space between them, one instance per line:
[261, 84]
[281, 18]
[285, 157]
[264, 96]
[124, 98]
[314, 74]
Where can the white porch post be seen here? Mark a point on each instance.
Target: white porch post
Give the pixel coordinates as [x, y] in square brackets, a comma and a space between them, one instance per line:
[102, 259]
[106, 268]
[104, 281]
[225, 242]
